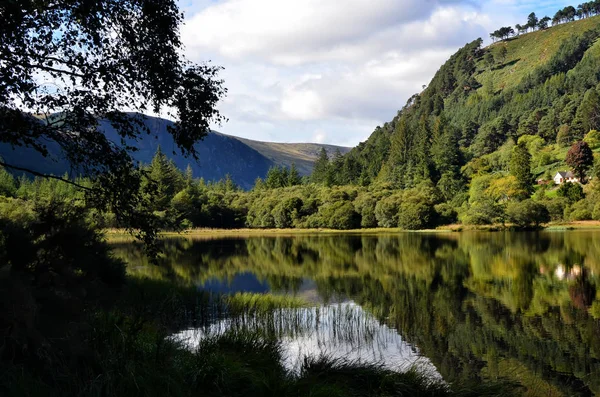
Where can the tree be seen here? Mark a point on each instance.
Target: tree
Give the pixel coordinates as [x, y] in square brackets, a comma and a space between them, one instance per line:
[580, 158]
[502, 53]
[275, 178]
[520, 168]
[166, 180]
[99, 64]
[571, 191]
[321, 169]
[527, 213]
[588, 113]
[293, 176]
[532, 21]
[543, 23]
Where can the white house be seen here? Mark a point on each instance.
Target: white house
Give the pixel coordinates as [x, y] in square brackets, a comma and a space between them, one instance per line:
[565, 176]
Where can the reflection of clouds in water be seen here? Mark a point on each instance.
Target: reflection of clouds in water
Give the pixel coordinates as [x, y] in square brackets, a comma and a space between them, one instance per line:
[341, 331]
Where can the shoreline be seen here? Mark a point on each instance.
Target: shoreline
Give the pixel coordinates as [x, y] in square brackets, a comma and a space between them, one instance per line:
[245, 232]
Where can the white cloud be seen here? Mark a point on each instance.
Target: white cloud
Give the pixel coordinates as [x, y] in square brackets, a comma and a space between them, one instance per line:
[300, 31]
[338, 68]
[319, 136]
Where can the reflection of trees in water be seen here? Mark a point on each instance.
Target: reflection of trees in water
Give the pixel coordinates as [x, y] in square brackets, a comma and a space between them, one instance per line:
[470, 301]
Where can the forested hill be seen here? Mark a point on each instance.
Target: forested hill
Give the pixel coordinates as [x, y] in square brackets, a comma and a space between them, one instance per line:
[219, 155]
[539, 87]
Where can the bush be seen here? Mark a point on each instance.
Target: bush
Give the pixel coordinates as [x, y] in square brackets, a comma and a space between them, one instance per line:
[386, 211]
[571, 191]
[556, 208]
[527, 213]
[445, 214]
[596, 212]
[365, 206]
[579, 211]
[415, 214]
[484, 212]
[286, 212]
[341, 215]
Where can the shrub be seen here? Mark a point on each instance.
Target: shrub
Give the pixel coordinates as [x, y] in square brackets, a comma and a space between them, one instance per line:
[579, 211]
[596, 212]
[415, 214]
[445, 214]
[571, 191]
[484, 212]
[386, 211]
[556, 208]
[527, 213]
[344, 217]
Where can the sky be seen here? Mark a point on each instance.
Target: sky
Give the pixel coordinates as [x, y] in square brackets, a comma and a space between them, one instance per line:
[330, 71]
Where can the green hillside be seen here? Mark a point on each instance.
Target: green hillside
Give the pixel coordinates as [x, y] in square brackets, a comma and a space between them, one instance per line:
[535, 93]
[531, 50]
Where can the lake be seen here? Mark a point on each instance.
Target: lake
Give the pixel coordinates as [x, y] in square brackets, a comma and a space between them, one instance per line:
[461, 306]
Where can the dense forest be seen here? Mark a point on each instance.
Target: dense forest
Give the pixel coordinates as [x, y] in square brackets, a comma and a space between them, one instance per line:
[479, 145]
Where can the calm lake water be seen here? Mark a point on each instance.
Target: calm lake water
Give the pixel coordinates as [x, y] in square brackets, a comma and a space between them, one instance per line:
[462, 306]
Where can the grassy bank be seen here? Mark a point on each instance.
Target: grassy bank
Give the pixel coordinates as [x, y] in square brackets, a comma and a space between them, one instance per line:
[116, 234]
[127, 350]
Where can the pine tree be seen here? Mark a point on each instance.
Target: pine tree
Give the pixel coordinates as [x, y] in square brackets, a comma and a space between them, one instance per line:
[229, 184]
[321, 168]
[520, 168]
[258, 184]
[587, 117]
[337, 169]
[166, 180]
[274, 178]
[293, 176]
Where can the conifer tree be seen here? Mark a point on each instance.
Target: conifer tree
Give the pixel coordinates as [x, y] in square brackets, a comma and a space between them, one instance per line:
[520, 168]
[293, 176]
[587, 117]
[165, 178]
[321, 169]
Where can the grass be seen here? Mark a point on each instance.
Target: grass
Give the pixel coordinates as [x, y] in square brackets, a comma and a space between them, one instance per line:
[303, 155]
[531, 50]
[250, 304]
[233, 364]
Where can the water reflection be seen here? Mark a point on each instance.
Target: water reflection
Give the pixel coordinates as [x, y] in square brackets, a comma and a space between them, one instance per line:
[339, 331]
[478, 305]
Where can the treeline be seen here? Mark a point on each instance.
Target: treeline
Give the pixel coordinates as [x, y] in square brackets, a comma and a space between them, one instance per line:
[567, 14]
[284, 200]
[448, 156]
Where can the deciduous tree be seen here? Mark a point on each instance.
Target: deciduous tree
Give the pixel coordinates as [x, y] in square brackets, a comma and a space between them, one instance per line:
[580, 158]
[65, 66]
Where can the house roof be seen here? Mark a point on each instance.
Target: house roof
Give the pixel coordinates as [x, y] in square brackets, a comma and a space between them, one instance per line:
[566, 174]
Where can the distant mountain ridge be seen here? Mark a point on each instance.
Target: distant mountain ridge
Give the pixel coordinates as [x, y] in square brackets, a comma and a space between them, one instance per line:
[219, 155]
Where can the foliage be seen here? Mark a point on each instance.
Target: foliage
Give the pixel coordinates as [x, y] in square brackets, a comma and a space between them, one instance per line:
[103, 65]
[571, 191]
[520, 168]
[527, 213]
[580, 158]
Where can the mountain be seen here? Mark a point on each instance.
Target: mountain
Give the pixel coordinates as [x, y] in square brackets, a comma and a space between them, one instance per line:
[219, 154]
[539, 88]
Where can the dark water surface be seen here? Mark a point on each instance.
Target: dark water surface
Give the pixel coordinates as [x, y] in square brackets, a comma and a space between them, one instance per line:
[464, 306]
